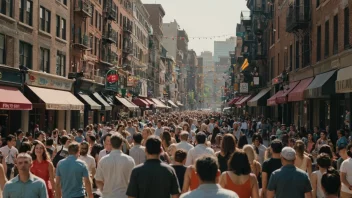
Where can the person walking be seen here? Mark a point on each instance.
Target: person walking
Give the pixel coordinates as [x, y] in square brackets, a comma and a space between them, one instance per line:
[207, 171]
[153, 178]
[198, 150]
[114, 170]
[70, 173]
[42, 167]
[324, 163]
[137, 152]
[289, 181]
[88, 159]
[183, 144]
[9, 153]
[346, 175]
[25, 184]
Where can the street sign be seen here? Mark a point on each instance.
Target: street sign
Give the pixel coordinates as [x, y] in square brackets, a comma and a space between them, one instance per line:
[111, 81]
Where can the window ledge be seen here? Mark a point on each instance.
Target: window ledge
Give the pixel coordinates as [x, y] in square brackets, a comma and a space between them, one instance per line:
[318, 8]
[272, 46]
[325, 2]
[7, 18]
[25, 26]
[44, 33]
[61, 4]
[60, 40]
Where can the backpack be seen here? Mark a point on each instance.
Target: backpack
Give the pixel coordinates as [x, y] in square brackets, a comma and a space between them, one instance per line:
[59, 156]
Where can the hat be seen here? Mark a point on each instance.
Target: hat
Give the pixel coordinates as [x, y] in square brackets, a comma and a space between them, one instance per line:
[288, 153]
[184, 133]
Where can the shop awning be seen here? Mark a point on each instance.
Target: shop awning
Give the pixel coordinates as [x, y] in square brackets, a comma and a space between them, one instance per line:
[343, 82]
[127, 104]
[179, 103]
[172, 104]
[158, 103]
[243, 101]
[89, 101]
[297, 94]
[281, 99]
[141, 102]
[150, 102]
[12, 99]
[260, 99]
[272, 100]
[105, 104]
[322, 86]
[57, 99]
[234, 100]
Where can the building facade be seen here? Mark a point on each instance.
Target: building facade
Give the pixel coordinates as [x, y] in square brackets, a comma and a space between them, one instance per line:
[222, 48]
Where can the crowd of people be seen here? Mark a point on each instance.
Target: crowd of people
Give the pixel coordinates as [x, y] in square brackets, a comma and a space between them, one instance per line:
[192, 154]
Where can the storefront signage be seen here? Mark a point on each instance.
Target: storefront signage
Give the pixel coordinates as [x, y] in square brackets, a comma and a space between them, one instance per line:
[276, 80]
[40, 79]
[13, 106]
[256, 80]
[111, 82]
[131, 81]
[243, 87]
[235, 87]
[344, 86]
[10, 75]
[64, 107]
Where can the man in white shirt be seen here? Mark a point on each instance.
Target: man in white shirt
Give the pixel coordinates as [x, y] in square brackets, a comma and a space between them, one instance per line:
[236, 131]
[137, 152]
[199, 150]
[184, 144]
[114, 170]
[89, 160]
[9, 153]
[159, 129]
[107, 146]
[244, 127]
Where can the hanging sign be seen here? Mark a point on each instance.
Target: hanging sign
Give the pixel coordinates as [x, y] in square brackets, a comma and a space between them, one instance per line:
[111, 81]
[243, 87]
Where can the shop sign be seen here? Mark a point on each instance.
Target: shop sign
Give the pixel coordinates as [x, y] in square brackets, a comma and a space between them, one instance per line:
[111, 82]
[10, 76]
[131, 81]
[39, 79]
[64, 107]
[276, 80]
[343, 86]
[243, 87]
[13, 106]
[235, 87]
[256, 80]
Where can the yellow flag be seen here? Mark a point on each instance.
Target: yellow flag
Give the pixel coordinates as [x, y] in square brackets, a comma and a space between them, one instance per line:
[244, 65]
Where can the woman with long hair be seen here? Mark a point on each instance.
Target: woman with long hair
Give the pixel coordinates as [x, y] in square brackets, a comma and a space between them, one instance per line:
[145, 134]
[228, 146]
[310, 144]
[302, 161]
[239, 177]
[256, 168]
[42, 167]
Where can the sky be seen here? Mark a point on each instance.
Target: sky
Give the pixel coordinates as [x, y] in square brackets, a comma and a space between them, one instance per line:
[203, 18]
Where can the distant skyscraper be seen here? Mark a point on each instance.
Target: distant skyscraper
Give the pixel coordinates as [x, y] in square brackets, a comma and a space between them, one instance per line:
[222, 48]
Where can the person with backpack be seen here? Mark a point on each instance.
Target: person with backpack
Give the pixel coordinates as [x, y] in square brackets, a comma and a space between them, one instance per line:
[63, 152]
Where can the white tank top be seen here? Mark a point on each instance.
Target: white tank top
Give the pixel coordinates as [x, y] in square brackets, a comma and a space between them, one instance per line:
[320, 192]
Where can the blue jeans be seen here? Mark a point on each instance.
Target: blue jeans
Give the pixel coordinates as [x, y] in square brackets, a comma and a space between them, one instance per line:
[9, 170]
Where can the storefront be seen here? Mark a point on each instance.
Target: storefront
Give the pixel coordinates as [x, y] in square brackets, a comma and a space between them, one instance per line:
[52, 101]
[241, 105]
[159, 105]
[259, 103]
[142, 103]
[343, 87]
[13, 104]
[125, 108]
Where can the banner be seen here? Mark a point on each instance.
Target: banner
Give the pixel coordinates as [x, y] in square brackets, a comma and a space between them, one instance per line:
[111, 82]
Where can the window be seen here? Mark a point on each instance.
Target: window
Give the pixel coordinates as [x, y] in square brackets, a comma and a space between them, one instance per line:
[96, 46]
[91, 43]
[101, 22]
[291, 58]
[318, 3]
[117, 14]
[2, 49]
[6, 7]
[297, 55]
[347, 28]
[26, 11]
[44, 60]
[58, 26]
[44, 19]
[60, 64]
[278, 61]
[326, 49]
[120, 19]
[278, 27]
[63, 28]
[96, 19]
[272, 35]
[336, 41]
[306, 51]
[272, 66]
[26, 54]
[92, 18]
[120, 42]
[63, 2]
[319, 43]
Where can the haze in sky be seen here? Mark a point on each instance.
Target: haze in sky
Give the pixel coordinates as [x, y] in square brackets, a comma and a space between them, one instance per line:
[203, 18]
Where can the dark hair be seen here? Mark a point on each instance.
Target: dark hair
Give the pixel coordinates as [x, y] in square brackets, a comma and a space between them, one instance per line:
[25, 147]
[49, 142]
[257, 136]
[116, 140]
[323, 160]
[18, 132]
[349, 153]
[137, 137]
[153, 145]
[331, 183]
[216, 131]
[64, 139]
[326, 149]
[92, 137]
[276, 145]
[180, 155]
[167, 137]
[243, 168]
[201, 138]
[228, 144]
[10, 137]
[80, 130]
[207, 168]
[242, 141]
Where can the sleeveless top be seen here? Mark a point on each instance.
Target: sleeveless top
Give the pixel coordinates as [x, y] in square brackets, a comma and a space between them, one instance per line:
[243, 190]
[194, 183]
[41, 169]
[303, 166]
[223, 162]
[320, 192]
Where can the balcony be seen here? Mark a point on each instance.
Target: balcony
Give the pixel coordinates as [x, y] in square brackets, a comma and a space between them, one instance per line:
[110, 12]
[108, 57]
[259, 25]
[83, 7]
[260, 51]
[298, 17]
[248, 39]
[109, 35]
[246, 19]
[81, 41]
[127, 29]
[127, 47]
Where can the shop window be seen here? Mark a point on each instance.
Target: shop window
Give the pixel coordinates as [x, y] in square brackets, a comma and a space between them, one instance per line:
[26, 54]
[6, 7]
[26, 11]
[45, 19]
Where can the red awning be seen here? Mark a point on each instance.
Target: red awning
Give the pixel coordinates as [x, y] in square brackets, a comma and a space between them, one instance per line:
[233, 101]
[281, 99]
[272, 100]
[297, 94]
[12, 99]
[149, 101]
[243, 101]
[140, 102]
